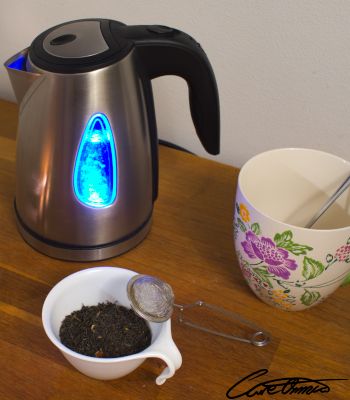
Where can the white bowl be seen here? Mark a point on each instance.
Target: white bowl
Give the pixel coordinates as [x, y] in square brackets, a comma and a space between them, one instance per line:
[90, 287]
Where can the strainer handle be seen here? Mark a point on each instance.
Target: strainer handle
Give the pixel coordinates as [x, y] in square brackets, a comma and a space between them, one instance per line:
[257, 338]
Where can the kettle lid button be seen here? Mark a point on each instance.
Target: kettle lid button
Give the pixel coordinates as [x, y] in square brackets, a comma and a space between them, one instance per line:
[76, 40]
[160, 29]
[63, 39]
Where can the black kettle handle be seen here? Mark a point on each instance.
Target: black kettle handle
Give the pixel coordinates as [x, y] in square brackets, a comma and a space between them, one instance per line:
[167, 51]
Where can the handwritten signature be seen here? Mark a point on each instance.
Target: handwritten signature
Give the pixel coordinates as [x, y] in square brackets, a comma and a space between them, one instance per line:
[294, 385]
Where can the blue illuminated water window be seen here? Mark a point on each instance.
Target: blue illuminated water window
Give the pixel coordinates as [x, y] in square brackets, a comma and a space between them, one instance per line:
[95, 170]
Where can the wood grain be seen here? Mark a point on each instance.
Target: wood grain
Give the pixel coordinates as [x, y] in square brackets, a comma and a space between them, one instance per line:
[191, 247]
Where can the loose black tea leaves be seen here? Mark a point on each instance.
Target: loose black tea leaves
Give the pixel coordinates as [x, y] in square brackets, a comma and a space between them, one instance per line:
[106, 330]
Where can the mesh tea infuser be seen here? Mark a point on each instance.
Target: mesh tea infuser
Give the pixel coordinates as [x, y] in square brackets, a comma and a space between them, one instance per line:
[153, 300]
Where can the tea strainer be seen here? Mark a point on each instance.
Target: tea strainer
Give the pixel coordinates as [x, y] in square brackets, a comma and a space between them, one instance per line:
[153, 299]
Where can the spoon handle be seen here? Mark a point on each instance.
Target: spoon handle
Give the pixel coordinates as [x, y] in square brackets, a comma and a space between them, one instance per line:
[329, 202]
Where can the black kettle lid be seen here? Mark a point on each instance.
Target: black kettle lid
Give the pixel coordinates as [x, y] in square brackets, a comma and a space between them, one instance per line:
[80, 46]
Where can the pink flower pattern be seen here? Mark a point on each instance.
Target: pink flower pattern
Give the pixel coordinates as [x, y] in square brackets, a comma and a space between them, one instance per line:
[343, 253]
[266, 250]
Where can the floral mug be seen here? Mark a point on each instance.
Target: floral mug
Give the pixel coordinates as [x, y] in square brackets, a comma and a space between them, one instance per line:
[286, 265]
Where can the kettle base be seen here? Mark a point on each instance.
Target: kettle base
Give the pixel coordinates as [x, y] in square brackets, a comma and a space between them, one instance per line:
[88, 253]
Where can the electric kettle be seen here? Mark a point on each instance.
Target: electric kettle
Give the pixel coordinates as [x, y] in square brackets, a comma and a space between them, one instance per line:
[86, 158]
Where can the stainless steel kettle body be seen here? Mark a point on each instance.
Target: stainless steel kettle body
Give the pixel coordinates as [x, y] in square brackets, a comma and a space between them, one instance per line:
[86, 145]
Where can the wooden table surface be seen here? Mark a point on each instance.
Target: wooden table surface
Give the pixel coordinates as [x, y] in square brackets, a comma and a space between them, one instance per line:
[191, 247]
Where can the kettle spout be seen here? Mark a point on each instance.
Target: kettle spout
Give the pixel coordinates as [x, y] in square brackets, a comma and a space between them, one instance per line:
[21, 79]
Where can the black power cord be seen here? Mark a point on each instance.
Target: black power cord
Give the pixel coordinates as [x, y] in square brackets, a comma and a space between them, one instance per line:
[173, 146]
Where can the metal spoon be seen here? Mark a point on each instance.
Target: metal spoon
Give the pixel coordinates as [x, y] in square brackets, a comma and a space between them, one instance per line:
[341, 189]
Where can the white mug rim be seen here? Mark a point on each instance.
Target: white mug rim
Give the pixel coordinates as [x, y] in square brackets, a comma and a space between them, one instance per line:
[287, 149]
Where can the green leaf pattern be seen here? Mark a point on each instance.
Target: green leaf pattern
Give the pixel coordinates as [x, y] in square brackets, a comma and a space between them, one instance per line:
[241, 225]
[284, 240]
[309, 298]
[312, 268]
[263, 275]
[256, 228]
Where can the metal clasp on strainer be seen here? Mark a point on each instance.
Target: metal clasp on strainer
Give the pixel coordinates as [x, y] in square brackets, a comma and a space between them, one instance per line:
[153, 300]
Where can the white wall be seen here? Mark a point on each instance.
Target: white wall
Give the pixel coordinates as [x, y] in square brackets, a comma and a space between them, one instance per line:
[282, 67]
